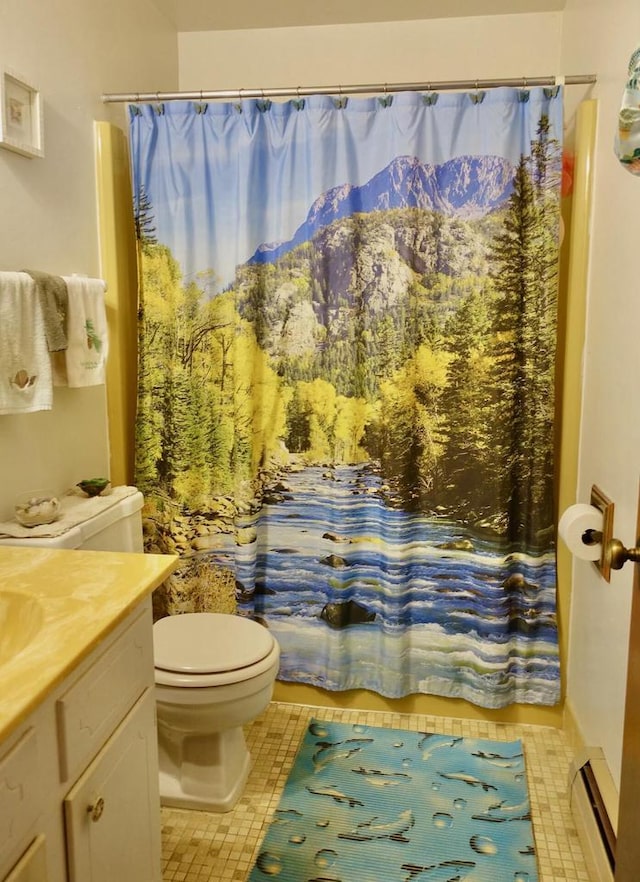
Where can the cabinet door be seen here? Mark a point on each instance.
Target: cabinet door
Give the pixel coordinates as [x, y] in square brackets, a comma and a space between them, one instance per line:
[112, 814]
[32, 866]
[20, 799]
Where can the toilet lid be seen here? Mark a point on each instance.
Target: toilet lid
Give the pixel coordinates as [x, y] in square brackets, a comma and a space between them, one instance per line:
[209, 643]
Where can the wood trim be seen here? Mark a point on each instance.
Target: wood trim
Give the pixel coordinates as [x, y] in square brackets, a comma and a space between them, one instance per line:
[118, 262]
[628, 847]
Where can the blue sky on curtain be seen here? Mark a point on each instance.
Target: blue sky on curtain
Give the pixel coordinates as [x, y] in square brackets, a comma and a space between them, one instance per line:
[346, 384]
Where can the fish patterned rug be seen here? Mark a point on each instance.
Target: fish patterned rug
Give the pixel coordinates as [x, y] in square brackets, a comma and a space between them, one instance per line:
[367, 804]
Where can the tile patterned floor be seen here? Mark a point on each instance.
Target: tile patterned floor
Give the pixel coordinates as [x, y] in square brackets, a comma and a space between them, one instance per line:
[199, 846]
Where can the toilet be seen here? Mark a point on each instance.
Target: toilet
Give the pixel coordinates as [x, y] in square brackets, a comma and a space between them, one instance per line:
[214, 673]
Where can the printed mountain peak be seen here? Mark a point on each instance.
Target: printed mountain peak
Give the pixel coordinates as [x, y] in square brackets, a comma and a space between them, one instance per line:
[466, 187]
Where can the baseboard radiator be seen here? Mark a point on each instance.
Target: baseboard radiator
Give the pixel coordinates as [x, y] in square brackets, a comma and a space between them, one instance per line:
[592, 819]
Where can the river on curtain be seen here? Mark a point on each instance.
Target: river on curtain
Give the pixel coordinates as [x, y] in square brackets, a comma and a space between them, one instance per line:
[346, 380]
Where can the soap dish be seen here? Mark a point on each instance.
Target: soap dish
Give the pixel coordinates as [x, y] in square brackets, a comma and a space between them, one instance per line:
[37, 510]
[93, 486]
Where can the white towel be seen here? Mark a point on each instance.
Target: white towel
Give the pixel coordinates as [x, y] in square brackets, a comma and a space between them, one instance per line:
[25, 369]
[84, 360]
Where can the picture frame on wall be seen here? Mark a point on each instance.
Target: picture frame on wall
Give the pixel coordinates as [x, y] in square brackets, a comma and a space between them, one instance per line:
[21, 128]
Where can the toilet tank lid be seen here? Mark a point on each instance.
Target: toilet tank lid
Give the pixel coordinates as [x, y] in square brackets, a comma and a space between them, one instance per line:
[209, 643]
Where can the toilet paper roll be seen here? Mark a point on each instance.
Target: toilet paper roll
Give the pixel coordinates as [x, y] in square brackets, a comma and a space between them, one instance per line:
[576, 520]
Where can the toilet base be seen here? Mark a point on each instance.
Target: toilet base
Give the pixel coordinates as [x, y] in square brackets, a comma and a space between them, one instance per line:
[212, 772]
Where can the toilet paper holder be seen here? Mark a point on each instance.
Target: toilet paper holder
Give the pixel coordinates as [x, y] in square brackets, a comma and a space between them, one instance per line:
[614, 554]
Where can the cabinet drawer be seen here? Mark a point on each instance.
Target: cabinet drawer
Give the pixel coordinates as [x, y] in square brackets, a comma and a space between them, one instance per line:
[19, 794]
[91, 709]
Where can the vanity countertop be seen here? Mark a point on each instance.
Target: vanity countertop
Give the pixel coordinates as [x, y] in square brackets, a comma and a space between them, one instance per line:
[75, 599]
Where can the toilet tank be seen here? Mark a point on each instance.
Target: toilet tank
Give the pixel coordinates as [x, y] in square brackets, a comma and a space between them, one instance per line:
[117, 528]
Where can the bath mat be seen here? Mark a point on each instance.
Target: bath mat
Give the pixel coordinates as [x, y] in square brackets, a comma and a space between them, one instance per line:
[367, 804]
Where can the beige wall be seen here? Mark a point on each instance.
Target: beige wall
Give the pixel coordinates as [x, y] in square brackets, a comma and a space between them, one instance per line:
[73, 51]
[497, 46]
[601, 37]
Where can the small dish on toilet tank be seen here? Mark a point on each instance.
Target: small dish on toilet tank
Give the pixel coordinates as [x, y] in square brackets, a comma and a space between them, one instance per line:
[93, 486]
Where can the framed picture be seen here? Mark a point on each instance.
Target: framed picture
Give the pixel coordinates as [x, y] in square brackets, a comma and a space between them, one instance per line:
[20, 115]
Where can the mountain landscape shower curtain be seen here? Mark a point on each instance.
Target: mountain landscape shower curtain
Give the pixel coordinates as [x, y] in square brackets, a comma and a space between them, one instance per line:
[346, 380]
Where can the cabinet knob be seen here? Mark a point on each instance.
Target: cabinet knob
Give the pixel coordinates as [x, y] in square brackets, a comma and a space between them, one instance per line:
[95, 810]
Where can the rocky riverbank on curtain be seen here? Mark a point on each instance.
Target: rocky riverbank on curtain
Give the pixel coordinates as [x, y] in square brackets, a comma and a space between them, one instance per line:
[349, 436]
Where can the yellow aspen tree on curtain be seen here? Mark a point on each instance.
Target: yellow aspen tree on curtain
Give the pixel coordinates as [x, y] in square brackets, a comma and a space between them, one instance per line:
[319, 399]
[353, 415]
[260, 401]
[410, 418]
[161, 295]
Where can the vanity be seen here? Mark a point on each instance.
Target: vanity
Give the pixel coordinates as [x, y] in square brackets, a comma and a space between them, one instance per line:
[78, 752]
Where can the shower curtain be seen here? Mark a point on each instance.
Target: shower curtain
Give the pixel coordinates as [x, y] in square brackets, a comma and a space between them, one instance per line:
[346, 380]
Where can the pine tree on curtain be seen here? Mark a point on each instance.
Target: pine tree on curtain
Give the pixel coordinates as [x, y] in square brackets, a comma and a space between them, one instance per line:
[346, 380]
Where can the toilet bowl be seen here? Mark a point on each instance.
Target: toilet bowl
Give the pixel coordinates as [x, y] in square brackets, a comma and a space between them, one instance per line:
[214, 673]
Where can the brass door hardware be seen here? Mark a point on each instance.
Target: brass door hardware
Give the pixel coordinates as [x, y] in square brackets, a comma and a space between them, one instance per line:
[604, 505]
[95, 811]
[614, 554]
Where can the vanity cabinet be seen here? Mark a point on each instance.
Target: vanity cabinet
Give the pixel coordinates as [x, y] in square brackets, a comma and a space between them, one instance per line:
[79, 778]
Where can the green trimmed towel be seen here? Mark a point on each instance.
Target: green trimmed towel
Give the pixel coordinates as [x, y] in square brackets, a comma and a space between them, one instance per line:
[54, 301]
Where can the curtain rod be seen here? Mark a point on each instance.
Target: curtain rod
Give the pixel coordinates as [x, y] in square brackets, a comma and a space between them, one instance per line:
[302, 91]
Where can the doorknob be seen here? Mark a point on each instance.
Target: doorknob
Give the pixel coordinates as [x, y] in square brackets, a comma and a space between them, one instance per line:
[619, 555]
[613, 552]
[95, 810]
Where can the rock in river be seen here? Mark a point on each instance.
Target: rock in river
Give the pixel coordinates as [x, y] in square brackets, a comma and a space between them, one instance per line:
[341, 615]
[457, 545]
[334, 560]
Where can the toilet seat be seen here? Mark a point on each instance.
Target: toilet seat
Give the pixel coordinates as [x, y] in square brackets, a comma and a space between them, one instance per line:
[210, 649]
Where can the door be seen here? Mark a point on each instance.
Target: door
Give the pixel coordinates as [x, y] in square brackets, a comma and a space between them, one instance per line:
[628, 844]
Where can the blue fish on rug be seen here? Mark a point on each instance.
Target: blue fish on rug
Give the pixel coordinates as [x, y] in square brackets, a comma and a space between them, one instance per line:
[502, 762]
[467, 779]
[435, 742]
[368, 830]
[334, 794]
[332, 751]
[499, 813]
[379, 778]
[447, 871]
